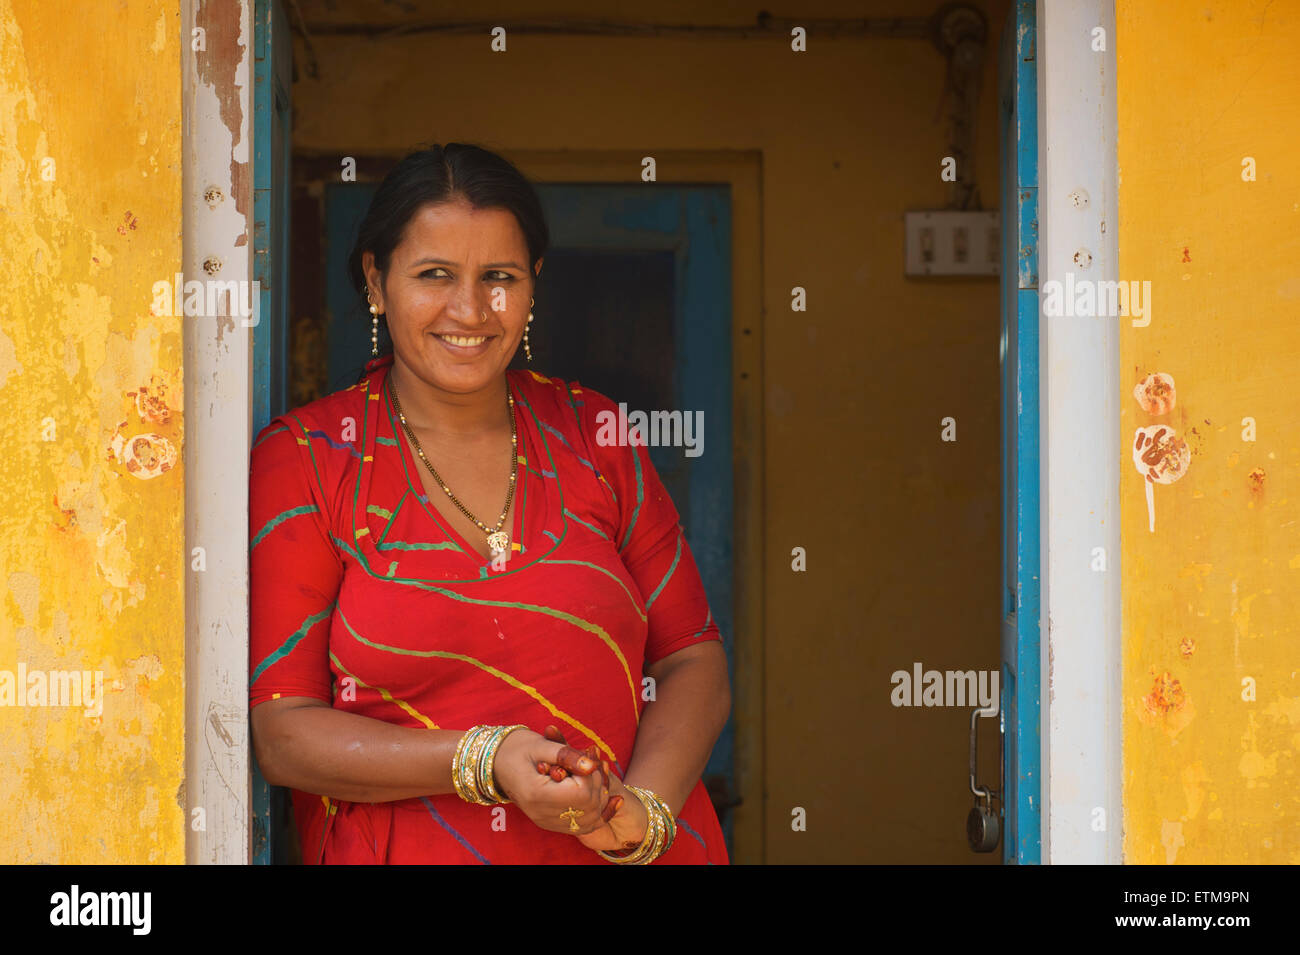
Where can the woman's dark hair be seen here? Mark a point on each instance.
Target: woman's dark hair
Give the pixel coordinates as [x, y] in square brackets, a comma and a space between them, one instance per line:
[442, 174]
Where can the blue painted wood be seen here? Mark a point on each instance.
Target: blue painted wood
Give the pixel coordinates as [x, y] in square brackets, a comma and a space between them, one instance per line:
[270, 329]
[1022, 780]
[694, 224]
[347, 325]
[703, 365]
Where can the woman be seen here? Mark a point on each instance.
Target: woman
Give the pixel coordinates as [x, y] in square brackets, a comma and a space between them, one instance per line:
[445, 560]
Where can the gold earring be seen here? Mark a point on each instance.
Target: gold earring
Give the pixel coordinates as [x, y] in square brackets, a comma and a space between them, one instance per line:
[528, 354]
[374, 325]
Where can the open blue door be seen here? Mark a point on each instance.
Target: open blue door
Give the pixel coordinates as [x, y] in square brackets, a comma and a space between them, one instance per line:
[272, 79]
[1022, 776]
[637, 290]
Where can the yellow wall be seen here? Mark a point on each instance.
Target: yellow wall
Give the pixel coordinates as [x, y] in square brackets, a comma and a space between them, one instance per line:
[91, 554]
[1212, 597]
[901, 529]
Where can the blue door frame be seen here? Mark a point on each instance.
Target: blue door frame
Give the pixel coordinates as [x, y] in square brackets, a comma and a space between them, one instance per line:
[1022, 782]
[272, 82]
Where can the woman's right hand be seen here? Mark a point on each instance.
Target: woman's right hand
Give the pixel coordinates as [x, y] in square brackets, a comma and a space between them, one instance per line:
[543, 799]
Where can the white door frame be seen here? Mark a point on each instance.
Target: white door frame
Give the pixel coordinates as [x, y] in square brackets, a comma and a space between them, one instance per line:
[217, 244]
[1080, 463]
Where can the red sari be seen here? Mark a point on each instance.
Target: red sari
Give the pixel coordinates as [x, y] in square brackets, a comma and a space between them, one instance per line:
[363, 597]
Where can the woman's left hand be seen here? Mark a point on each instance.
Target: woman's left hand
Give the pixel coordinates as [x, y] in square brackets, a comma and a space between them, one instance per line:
[627, 827]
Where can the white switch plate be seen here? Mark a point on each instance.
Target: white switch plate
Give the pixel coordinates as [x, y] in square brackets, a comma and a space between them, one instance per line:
[945, 242]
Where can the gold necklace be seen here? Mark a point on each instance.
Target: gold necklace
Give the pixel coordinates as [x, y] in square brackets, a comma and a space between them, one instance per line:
[497, 539]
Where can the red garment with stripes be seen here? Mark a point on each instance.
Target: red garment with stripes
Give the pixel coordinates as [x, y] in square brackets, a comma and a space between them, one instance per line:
[363, 597]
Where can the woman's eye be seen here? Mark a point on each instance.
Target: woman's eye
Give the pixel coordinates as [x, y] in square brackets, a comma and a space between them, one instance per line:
[494, 276]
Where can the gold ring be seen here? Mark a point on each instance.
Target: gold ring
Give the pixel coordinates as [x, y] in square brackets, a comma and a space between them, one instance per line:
[572, 815]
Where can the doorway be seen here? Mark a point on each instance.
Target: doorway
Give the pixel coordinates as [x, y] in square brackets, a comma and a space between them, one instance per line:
[839, 434]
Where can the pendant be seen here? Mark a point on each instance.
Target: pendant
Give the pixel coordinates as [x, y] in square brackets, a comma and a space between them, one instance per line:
[498, 542]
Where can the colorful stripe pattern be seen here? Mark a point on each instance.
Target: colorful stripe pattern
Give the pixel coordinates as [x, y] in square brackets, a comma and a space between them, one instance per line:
[364, 596]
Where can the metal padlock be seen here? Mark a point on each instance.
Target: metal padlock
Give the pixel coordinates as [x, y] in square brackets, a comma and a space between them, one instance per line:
[983, 825]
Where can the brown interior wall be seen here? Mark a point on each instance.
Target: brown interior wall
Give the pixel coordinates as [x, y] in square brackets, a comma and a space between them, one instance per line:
[902, 530]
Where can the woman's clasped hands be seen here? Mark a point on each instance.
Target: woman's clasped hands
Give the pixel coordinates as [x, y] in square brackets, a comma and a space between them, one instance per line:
[562, 789]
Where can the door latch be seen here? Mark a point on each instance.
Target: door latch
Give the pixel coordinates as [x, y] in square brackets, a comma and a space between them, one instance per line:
[983, 824]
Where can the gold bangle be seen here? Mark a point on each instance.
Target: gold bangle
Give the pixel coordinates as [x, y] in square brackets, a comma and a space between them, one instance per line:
[473, 756]
[634, 856]
[487, 766]
[655, 848]
[480, 784]
[665, 824]
[668, 819]
[455, 763]
[462, 766]
[661, 829]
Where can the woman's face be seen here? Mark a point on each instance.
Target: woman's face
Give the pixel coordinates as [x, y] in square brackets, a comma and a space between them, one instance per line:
[456, 294]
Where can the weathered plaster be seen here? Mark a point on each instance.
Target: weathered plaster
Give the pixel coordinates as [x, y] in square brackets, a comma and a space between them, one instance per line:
[91, 552]
[1211, 604]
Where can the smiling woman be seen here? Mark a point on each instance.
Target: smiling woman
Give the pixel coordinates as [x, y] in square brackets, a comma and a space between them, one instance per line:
[478, 633]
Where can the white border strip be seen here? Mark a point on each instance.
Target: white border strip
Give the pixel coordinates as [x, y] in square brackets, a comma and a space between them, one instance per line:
[218, 422]
[1080, 448]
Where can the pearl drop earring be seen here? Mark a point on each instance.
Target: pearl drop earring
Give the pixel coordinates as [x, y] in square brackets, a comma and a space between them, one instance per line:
[374, 325]
[528, 353]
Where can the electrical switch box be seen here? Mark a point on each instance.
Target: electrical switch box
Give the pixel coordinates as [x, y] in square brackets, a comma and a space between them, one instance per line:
[951, 242]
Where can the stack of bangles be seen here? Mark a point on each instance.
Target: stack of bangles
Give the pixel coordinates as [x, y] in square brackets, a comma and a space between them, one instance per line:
[473, 761]
[472, 775]
[659, 834]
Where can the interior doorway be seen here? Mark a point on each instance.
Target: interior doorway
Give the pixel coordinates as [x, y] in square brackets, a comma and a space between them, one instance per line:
[822, 390]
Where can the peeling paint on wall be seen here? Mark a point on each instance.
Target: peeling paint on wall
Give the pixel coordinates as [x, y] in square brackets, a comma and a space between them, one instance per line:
[1211, 593]
[92, 541]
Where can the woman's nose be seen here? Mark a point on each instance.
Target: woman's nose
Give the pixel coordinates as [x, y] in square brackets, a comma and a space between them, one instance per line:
[465, 305]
